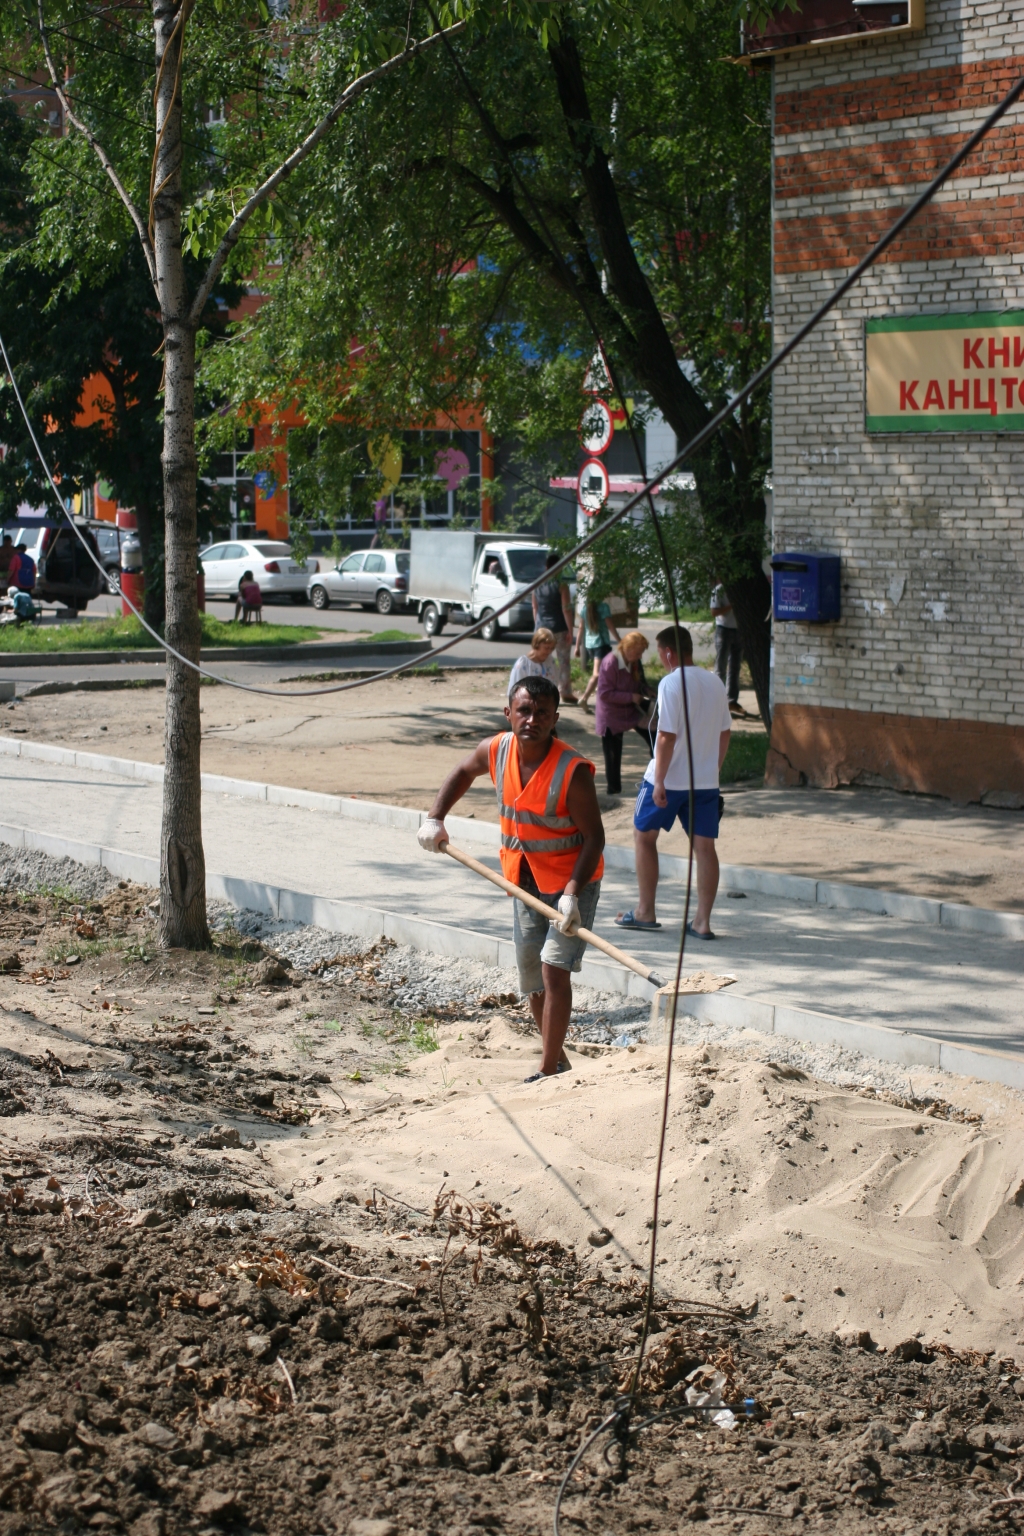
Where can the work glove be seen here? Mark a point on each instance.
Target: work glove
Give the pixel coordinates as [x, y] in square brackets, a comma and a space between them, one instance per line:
[432, 834]
[569, 907]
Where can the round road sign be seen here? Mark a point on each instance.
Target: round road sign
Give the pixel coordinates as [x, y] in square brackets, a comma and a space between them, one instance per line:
[596, 427]
[592, 486]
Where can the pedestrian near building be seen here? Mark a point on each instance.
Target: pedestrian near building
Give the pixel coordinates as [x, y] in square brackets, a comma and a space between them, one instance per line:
[538, 661]
[597, 634]
[22, 570]
[552, 609]
[623, 703]
[552, 841]
[728, 652]
[6, 556]
[665, 793]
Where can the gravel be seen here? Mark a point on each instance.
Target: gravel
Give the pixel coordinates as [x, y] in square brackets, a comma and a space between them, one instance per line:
[418, 982]
[23, 869]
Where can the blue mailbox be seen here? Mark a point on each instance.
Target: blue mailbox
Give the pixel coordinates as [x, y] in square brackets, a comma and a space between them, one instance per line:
[805, 588]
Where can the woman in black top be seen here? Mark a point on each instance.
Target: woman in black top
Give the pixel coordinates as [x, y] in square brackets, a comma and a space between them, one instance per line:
[552, 609]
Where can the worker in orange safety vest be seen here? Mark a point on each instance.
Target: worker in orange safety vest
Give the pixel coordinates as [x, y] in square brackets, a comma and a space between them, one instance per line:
[552, 839]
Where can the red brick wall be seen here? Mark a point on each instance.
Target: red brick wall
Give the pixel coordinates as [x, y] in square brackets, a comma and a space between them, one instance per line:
[889, 97]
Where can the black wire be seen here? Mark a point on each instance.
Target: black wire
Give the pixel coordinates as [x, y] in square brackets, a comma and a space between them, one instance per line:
[620, 1418]
[616, 383]
[697, 442]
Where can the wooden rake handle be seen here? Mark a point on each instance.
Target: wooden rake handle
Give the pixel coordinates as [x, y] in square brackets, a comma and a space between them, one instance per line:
[541, 906]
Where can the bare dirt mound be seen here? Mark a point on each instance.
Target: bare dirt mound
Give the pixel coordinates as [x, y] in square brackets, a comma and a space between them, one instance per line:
[196, 1375]
[212, 1320]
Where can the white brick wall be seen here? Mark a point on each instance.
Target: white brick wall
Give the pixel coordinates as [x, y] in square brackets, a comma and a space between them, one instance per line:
[941, 514]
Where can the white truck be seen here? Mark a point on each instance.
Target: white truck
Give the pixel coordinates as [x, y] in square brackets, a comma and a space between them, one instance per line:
[459, 577]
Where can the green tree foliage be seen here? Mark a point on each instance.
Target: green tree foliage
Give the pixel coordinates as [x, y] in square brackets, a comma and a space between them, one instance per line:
[62, 328]
[465, 238]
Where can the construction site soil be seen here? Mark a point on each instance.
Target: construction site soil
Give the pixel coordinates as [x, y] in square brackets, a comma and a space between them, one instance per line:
[196, 1336]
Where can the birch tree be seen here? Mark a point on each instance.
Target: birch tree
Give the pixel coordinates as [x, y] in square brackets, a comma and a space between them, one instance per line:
[194, 148]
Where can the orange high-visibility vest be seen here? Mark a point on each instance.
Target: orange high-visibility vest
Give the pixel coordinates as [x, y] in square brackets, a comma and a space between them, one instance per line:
[535, 823]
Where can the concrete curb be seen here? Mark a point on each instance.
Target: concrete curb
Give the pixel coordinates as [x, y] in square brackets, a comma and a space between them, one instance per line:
[303, 650]
[734, 877]
[731, 1009]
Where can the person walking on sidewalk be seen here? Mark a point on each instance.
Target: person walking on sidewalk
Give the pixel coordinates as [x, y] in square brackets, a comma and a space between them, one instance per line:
[728, 652]
[552, 609]
[552, 841]
[665, 792]
[597, 635]
[623, 702]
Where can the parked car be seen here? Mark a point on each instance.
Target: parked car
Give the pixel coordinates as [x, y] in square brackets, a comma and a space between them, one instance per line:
[64, 572]
[273, 567]
[371, 578]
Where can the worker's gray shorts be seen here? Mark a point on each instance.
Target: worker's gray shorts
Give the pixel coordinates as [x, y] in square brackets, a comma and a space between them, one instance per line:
[538, 941]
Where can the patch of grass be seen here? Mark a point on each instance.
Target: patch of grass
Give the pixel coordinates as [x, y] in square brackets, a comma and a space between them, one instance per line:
[127, 634]
[686, 615]
[746, 756]
[424, 1035]
[58, 893]
[58, 953]
[389, 634]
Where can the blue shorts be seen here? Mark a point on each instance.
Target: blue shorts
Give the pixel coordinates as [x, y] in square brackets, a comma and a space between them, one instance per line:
[647, 816]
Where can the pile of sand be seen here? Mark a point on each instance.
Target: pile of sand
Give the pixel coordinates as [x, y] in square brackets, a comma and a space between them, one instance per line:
[831, 1209]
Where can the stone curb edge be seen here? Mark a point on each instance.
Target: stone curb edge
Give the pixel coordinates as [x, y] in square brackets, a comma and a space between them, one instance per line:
[733, 1010]
[312, 650]
[734, 877]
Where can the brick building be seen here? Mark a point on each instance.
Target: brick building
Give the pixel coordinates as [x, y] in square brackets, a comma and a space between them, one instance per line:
[920, 684]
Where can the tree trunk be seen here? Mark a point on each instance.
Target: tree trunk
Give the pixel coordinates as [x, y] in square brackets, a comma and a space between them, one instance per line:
[182, 863]
[646, 351]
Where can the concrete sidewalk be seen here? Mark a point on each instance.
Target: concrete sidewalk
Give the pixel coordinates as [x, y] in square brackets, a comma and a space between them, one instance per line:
[962, 988]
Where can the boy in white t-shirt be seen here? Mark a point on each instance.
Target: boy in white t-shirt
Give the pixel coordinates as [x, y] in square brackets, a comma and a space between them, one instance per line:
[665, 792]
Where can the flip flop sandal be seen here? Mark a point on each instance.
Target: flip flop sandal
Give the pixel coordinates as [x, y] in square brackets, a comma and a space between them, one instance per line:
[630, 920]
[705, 938]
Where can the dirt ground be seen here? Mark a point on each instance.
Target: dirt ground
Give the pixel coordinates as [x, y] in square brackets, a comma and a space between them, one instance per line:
[396, 741]
[212, 1318]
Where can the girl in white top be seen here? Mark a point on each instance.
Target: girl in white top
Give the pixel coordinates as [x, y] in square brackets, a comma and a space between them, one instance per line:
[537, 661]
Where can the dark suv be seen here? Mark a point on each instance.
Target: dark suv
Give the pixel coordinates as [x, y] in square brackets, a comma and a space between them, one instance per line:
[64, 572]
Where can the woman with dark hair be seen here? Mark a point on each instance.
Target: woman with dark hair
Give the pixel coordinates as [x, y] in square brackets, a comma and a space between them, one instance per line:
[249, 601]
[623, 703]
[552, 609]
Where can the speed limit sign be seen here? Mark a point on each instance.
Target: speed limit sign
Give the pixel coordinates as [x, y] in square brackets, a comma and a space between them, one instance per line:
[596, 427]
[592, 486]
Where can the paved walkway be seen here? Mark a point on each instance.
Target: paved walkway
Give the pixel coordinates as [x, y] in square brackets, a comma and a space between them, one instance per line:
[964, 988]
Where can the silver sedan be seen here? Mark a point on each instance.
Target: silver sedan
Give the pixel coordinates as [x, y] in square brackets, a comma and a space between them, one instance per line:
[371, 578]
